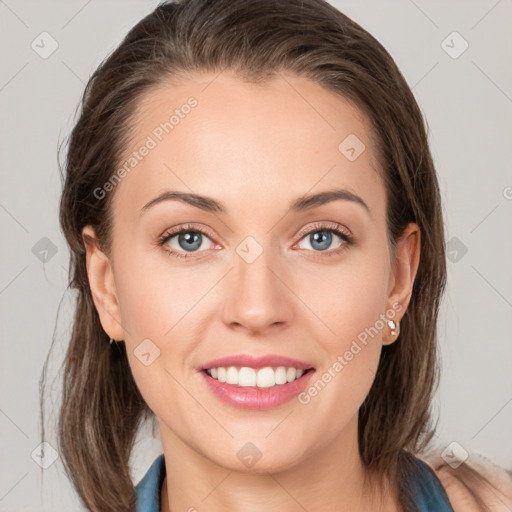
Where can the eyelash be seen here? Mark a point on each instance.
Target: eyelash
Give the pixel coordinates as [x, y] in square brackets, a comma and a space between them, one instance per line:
[347, 238]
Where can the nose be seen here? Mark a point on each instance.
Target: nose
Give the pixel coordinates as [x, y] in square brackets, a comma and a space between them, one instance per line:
[258, 295]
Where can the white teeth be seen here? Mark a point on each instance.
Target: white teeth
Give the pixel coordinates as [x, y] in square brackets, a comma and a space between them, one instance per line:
[246, 376]
[281, 375]
[250, 377]
[232, 375]
[266, 377]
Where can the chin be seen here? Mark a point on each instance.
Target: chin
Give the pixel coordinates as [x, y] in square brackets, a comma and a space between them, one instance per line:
[258, 458]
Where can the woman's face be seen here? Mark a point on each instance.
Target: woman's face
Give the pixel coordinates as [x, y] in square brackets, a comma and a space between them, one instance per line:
[285, 255]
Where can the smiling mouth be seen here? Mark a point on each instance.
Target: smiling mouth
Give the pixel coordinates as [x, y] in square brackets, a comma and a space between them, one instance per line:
[247, 377]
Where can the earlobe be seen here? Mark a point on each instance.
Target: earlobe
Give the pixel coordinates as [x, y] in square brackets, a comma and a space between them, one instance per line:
[404, 270]
[102, 285]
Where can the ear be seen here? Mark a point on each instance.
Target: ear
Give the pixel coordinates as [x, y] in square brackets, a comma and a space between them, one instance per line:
[404, 269]
[101, 282]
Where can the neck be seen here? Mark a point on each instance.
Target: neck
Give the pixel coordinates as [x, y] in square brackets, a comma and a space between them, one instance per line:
[330, 478]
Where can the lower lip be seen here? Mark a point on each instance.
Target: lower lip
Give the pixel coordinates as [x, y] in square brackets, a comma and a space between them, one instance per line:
[260, 399]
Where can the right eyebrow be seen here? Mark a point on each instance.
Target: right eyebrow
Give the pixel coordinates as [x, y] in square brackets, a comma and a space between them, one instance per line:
[204, 203]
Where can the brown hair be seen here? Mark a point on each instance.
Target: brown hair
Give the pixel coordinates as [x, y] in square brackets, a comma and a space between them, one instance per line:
[102, 408]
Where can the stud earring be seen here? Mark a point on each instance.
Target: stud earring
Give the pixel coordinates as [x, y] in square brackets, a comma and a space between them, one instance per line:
[111, 341]
[394, 326]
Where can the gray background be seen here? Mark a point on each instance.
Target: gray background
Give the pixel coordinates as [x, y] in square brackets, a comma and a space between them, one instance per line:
[468, 104]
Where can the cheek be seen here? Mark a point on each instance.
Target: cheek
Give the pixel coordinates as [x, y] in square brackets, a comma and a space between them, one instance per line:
[352, 299]
[153, 295]
[159, 312]
[350, 353]
[351, 308]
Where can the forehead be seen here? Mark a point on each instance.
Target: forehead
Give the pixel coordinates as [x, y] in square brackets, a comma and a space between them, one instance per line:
[220, 136]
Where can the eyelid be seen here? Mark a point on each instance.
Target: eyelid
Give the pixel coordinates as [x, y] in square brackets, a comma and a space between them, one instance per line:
[187, 227]
[326, 226]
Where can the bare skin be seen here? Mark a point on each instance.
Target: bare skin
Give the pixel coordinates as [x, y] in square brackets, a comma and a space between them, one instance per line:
[255, 149]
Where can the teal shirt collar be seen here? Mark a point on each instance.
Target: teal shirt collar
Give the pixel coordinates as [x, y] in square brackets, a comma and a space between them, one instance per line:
[148, 489]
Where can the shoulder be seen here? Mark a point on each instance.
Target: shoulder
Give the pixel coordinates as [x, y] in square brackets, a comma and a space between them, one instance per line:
[474, 483]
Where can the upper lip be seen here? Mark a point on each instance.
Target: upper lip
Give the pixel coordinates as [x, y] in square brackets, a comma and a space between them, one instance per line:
[256, 362]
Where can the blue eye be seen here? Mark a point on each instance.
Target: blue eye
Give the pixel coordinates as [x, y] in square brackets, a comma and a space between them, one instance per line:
[183, 242]
[187, 240]
[321, 239]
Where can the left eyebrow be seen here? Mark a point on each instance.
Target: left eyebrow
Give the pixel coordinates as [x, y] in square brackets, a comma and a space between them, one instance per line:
[312, 201]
